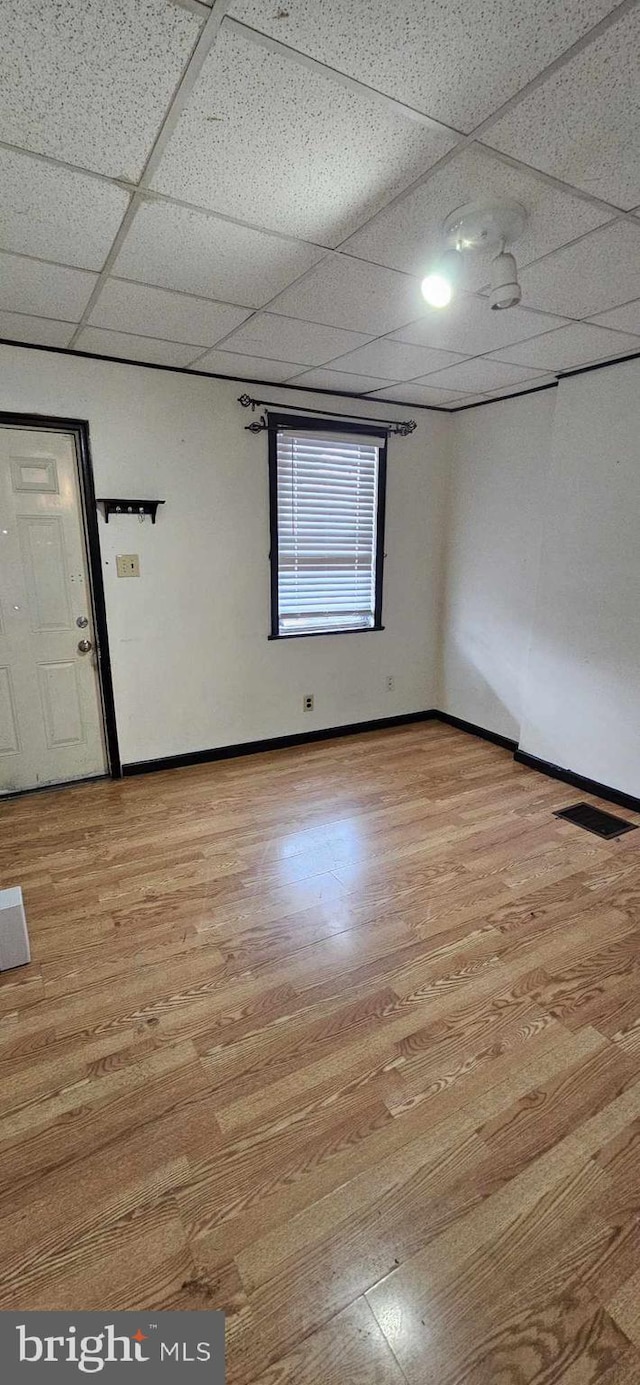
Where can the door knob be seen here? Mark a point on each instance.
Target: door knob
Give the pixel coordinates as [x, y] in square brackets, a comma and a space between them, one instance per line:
[84, 646]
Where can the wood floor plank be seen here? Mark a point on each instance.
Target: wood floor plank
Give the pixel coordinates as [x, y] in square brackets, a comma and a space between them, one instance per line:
[540, 1119]
[625, 1372]
[350, 1348]
[624, 1307]
[343, 1039]
[505, 1286]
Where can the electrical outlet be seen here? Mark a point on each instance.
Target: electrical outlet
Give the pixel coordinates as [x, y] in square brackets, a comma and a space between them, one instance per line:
[391, 683]
[128, 565]
[307, 702]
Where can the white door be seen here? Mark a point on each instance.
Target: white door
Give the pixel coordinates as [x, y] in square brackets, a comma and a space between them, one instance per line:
[51, 726]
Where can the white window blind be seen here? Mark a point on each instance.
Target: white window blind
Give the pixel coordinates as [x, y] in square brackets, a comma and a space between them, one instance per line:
[327, 524]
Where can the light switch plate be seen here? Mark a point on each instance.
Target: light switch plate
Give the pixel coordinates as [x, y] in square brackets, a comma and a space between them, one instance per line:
[128, 565]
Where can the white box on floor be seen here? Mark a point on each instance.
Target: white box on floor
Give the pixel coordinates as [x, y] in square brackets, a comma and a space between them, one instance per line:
[14, 939]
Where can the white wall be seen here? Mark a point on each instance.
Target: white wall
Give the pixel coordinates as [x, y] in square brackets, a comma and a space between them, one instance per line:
[582, 704]
[541, 607]
[535, 611]
[192, 665]
[497, 485]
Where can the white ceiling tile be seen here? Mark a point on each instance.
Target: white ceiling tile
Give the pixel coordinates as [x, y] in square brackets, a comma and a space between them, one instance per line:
[395, 360]
[90, 82]
[336, 380]
[263, 139]
[582, 123]
[49, 290]
[480, 374]
[576, 345]
[599, 272]
[291, 339]
[246, 367]
[624, 319]
[56, 213]
[410, 393]
[39, 331]
[128, 307]
[196, 252]
[408, 235]
[457, 61]
[343, 292]
[146, 349]
[468, 325]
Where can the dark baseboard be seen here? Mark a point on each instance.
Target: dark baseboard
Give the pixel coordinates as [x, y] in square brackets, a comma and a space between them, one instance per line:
[579, 781]
[229, 752]
[625, 800]
[477, 730]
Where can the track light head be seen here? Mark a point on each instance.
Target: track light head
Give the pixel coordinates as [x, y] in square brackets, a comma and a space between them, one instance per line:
[505, 289]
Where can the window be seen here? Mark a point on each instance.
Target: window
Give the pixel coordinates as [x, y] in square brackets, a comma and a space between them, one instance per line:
[327, 486]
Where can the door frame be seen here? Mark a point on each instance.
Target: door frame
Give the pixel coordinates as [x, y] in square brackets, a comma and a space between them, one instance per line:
[79, 429]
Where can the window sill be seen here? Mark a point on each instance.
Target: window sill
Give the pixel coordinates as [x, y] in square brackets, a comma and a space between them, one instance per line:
[321, 634]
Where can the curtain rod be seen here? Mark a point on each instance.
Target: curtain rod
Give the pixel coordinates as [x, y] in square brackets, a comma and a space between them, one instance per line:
[403, 429]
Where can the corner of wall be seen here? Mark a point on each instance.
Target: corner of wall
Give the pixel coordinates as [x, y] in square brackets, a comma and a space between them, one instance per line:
[448, 464]
[495, 504]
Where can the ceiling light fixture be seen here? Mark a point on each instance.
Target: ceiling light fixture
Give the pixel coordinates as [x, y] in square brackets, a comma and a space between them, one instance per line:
[484, 227]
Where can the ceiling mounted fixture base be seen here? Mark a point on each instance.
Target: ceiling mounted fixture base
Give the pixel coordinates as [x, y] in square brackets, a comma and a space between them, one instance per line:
[485, 225]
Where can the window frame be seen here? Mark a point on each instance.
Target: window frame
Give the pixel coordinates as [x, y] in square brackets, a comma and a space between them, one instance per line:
[278, 423]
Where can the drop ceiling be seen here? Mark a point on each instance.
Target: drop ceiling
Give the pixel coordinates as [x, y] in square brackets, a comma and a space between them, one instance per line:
[256, 188]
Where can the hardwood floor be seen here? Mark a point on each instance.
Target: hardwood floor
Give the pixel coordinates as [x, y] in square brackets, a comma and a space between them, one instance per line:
[344, 1040]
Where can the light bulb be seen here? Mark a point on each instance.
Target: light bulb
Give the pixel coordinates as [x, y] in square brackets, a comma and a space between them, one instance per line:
[441, 283]
[437, 290]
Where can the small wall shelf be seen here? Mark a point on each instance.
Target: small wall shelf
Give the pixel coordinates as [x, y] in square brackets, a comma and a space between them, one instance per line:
[130, 507]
